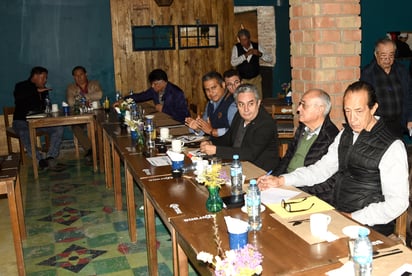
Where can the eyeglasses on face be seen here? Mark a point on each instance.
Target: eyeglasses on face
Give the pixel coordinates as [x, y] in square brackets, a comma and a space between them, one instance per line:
[287, 205]
[305, 105]
[231, 84]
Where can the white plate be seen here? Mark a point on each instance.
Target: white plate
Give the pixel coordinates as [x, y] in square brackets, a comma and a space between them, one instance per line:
[262, 208]
[352, 231]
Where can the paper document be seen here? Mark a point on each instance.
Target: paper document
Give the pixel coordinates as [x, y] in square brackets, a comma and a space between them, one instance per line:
[311, 205]
[275, 195]
[159, 161]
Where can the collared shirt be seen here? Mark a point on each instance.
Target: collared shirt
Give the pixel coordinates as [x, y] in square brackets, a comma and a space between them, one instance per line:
[394, 180]
[309, 134]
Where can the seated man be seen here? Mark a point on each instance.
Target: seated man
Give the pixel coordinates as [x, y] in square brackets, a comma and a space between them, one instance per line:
[90, 90]
[371, 164]
[29, 95]
[232, 80]
[312, 139]
[252, 135]
[219, 111]
[167, 97]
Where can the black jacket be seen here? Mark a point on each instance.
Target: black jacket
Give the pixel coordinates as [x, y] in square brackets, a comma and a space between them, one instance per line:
[259, 145]
[319, 148]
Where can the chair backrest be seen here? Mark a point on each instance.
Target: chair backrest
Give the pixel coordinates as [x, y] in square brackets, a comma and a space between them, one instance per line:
[7, 111]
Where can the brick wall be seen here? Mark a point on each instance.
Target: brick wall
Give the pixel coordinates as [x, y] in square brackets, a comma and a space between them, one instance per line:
[325, 48]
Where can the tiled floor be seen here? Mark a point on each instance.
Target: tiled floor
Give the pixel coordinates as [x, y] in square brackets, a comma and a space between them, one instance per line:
[73, 228]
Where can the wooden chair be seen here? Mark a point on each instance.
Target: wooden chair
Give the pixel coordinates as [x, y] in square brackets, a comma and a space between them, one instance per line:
[400, 227]
[10, 133]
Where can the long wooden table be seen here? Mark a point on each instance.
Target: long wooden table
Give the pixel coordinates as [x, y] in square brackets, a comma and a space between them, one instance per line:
[87, 118]
[117, 145]
[10, 185]
[180, 204]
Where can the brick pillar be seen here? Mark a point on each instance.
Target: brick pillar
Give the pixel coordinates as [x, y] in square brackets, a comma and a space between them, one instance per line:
[325, 48]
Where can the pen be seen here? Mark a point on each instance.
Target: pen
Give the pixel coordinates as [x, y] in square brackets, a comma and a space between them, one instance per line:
[269, 172]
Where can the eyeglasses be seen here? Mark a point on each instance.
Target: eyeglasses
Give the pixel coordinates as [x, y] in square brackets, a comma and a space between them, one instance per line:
[386, 56]
[287, 205]
[305, 105]
[230, 84]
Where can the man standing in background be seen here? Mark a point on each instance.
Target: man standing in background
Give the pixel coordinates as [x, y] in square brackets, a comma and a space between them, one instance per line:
[245, 56]
[393, 87]
[91, 91]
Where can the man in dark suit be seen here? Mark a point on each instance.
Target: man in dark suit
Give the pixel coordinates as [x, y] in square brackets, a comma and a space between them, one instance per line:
[252, 135]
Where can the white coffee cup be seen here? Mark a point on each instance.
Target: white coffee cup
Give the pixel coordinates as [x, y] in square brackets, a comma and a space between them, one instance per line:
[319, 225]
[177, 145]
[55, 108]
[164, 133]
[96, 105]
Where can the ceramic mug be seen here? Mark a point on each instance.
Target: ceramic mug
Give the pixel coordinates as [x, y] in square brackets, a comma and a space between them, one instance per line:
[177, 145]
[319, 225]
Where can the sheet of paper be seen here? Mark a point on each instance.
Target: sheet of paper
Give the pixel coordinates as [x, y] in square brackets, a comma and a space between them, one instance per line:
[275, 195]
[318, 206]
[159, 161]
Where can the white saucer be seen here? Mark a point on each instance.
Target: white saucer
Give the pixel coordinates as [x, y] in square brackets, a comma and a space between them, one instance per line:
[352, 231]
[262, 208]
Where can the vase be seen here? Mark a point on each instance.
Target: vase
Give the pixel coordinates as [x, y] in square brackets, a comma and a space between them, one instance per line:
[133, 134]
[214, 202]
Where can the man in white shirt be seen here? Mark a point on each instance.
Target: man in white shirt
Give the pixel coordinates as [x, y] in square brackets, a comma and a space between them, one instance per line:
[245, 56]
[372, 184]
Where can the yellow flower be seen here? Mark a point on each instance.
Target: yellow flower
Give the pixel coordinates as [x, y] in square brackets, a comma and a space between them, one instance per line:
[212, 177]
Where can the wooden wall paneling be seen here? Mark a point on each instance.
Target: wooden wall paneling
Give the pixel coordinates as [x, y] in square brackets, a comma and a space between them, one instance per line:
[184, 67]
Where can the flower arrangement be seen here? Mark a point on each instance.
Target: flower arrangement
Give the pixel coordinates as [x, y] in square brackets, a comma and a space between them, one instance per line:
[214, 176]
[126, 104]
[245, 261]
[134, 125]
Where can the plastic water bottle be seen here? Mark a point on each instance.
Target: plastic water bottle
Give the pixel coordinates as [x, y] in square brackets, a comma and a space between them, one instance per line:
[118, 96]
[362, 253]
[253, 206]
[236, 176]
[47, 105]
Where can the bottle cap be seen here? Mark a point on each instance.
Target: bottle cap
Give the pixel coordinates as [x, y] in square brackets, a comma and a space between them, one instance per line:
[252, 182]
[235, 156]
[363, 232]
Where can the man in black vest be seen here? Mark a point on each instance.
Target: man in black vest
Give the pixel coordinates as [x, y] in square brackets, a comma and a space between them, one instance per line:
[245, 56]
[372, 184]
[219, 111]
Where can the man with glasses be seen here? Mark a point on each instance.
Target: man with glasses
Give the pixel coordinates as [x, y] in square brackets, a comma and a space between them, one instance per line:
[371, 165]
[393, 87]
[167, 97]
[232, 80]
[252, 135]
[219, 111]
[311, 141]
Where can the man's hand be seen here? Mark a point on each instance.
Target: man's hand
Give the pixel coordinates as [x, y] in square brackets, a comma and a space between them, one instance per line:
[269, 181]
[159, 107]
[208, 148]
[44, 89]
[206, 127]
[253, 52]
[192, 123]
